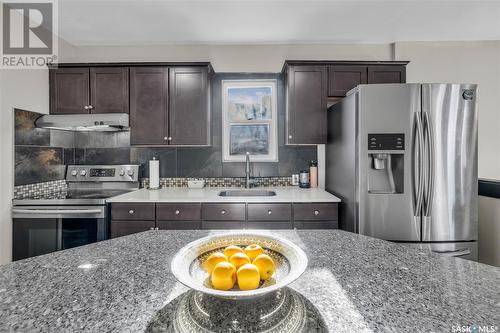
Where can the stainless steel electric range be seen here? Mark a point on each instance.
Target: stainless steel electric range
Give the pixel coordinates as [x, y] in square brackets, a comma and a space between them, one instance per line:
[73, 217]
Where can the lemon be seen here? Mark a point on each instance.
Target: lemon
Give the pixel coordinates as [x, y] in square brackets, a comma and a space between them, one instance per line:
[223, 276]
[266, 266]
[239, 259]
[248, 277]
[253, 250]
[215, 258]
[232, 249]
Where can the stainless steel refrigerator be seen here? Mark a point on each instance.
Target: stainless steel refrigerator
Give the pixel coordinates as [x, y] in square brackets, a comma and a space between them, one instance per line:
[403, 158]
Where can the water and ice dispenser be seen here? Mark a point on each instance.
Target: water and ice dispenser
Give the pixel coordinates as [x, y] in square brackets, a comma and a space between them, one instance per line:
[385, 163]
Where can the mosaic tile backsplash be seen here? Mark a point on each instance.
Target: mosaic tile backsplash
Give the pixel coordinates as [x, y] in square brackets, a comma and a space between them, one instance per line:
[223, 182]
[47, 190]
[58, 189]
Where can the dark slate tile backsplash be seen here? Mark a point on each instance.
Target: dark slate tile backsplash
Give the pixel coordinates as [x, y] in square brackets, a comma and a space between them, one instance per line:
[41, 154]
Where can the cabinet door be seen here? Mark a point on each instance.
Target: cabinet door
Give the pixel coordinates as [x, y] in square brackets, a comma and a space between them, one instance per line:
[133, 211]
[178, 225]
[223, 212]
[341, 79]
[386, 74]
[69, 90]
[109, 90]
[222, 225]
[148, 105]
[189, 110]
[123, 228]
[33, 237]
[307, 105]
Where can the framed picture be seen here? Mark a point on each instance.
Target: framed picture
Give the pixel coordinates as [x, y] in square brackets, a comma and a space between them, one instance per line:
[249, 113]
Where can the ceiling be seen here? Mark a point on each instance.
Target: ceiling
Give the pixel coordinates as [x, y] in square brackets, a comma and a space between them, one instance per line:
[127, 22]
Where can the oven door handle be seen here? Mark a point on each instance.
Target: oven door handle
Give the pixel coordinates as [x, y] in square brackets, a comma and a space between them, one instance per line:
[56, 211]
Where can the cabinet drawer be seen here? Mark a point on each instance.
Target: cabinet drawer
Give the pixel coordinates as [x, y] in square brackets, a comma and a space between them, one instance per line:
[316, 224]
[269, 225]
[224, 212]
[222, 225]
[123, 228]
[269, 212]
[133, 211]
[178, 212]
[178, 225]
[315, 211]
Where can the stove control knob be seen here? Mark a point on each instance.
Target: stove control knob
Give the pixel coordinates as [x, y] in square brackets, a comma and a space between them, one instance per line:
[83, 172]
[122, 173]
[74, 173]
[130, 173]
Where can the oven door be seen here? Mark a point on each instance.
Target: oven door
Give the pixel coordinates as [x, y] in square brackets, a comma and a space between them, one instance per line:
[43, 229]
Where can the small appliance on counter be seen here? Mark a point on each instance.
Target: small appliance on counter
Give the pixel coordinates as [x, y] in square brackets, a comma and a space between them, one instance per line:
[75, 217]
[304, 179]
[154, 174]
[196, 183]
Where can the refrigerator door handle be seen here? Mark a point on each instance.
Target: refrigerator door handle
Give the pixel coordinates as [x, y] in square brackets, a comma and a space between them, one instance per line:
[429, 196]
[420, 163]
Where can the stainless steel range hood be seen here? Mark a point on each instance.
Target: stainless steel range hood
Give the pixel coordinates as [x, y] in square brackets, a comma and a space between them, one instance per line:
[104, 122]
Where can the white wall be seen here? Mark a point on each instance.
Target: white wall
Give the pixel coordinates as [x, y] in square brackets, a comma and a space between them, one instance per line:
[467, 62]
[23, 89]
[228, 58]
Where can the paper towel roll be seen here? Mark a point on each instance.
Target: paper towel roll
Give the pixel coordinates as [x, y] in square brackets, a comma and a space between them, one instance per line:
[154, 174]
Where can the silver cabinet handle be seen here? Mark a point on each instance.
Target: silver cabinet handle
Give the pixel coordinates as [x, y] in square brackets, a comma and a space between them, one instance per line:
[157, 228]
[316, 212]
[86, 107]
[165, 138]
[90, 107]
[289, 136]
[269, 212]
[223, 212]
[177, 212]
[151, 228]
[131, 211]
[169, 138]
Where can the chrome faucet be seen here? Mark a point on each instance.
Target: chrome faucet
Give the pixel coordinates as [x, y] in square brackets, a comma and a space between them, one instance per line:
[247, 171]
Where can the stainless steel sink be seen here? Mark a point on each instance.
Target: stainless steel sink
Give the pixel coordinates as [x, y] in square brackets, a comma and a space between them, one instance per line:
[247, 193]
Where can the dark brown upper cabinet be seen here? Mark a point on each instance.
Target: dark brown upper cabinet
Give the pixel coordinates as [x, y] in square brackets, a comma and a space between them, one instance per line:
[306, 104]
[386, 74]
[109, 90]
[189, 107]
[169, 106]
[148, 105]
[76, 90]
[69, 90]
[342, 78]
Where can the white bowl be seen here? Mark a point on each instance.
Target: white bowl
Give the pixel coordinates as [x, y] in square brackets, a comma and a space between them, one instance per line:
[290, 262]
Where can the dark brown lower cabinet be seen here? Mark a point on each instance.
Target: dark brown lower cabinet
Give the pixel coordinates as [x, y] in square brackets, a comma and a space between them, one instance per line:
[270, 225]
[123, 228]
[178, 225]
[316, 224]
[129, 218]
[223, 225]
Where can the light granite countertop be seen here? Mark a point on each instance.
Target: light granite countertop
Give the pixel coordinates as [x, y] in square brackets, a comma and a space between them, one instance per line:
[356, 283]
[211, 194]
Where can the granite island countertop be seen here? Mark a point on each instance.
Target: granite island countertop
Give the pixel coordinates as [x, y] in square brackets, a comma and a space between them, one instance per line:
[284, 194]
[356, 283]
